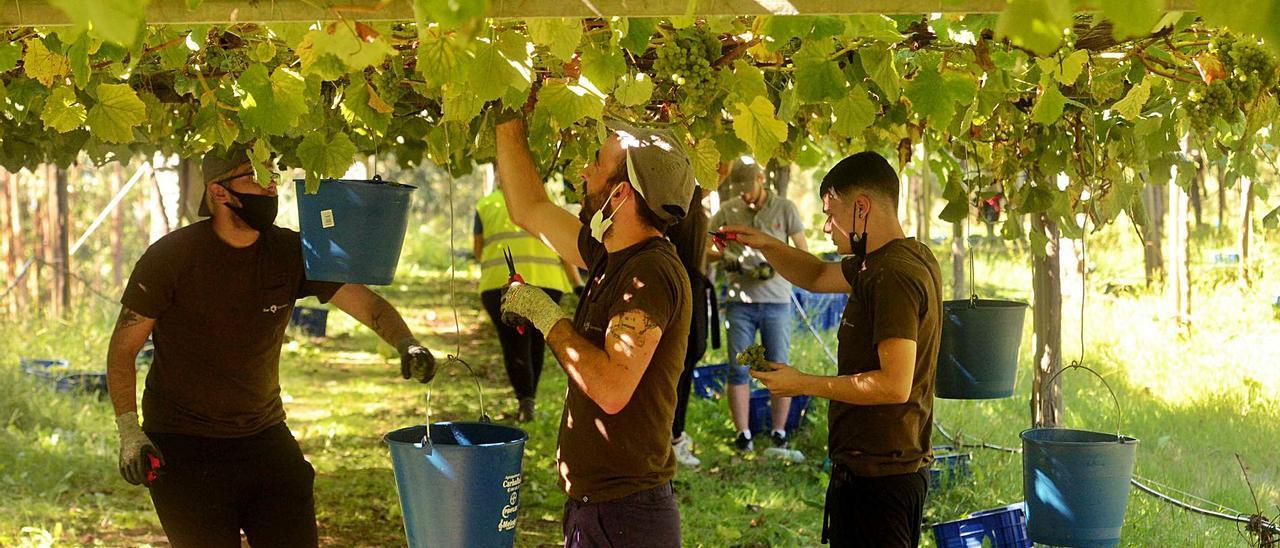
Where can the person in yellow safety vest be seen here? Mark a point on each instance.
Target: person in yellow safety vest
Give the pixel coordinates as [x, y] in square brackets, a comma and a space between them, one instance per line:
[540, 266]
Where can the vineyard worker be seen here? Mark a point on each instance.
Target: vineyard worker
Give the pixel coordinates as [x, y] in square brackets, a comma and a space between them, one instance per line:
[540, 267]
[216, 297]
[624, 348]
[881, 413]
[758, 301]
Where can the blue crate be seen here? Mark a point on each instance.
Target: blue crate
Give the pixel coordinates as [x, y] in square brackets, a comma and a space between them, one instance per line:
[825, 310]
[948, 467]
[310, 320]
[760, 416]
[65, 381]
[1002, 527]
[709, 380]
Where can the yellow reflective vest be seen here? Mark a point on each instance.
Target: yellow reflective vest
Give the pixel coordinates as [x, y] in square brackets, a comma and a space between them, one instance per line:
[536, 262]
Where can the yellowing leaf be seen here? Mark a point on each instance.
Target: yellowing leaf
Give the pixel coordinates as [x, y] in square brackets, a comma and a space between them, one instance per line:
[633, 90]
[566, 103]
[44, 65]
[1130, 107]
[560, 36]
[706, 164]
[342, 43]
[757, 126]
[62, 112]
[854, 113]
[1049, 107]
[117, 112]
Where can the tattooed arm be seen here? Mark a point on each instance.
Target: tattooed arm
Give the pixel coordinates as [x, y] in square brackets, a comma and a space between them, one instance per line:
[130, 334]
[374, 311]
[608, 376]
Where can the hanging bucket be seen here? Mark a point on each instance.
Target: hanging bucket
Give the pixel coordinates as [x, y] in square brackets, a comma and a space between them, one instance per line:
[1076, 483]
[460, 486]
[352, 231]
[978, 352]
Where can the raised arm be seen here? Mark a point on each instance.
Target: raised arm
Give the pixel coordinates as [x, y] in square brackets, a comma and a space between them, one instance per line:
[797, 266]
[527, 200]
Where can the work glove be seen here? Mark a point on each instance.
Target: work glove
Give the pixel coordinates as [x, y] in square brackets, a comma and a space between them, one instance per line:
[134, 448]
[416, 362]
[524, 304]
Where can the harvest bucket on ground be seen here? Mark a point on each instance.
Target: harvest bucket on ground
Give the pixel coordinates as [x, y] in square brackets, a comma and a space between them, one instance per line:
[978, 352]
[460, 486]
[352, 230]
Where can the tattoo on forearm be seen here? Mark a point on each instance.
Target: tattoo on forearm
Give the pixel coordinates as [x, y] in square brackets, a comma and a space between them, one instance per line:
[128, 318]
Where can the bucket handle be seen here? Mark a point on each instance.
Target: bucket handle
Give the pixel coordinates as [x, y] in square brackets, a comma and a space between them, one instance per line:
[1114, 399]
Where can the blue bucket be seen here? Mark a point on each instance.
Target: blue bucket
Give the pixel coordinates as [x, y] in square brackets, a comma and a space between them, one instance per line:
[462, 486]
[352, 231]
[978, 352]
[760, 412]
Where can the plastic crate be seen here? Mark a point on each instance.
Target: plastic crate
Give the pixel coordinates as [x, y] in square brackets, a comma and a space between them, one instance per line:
[311, 321]
[948, 467]
[999, 527]
[760, 416]
[709, 380]
[65, 381]
[825, 310]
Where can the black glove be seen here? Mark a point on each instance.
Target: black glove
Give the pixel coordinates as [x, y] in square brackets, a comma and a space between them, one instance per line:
[416, 362]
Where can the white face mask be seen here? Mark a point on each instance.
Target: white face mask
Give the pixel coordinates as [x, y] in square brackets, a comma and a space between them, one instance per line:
[599, 224]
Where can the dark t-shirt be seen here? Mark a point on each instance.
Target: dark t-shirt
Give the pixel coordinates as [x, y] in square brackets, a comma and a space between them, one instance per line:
[220, 318]
[605, 457]
[897, 295]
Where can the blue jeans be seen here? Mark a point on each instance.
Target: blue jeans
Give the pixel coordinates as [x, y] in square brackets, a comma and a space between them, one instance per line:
[772, 320]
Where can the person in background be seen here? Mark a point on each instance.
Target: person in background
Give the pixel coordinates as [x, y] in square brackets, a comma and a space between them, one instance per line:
[494, 233]
[690, 238]
[881, 415]
[758, 301]
[216, 296]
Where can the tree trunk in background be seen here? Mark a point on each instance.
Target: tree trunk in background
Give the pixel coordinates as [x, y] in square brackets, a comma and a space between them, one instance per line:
[6, 244]
[958, 284]
[778, 175]
[60, 242]
[17, 248]
[1196, 184]
[1222, 201]
[1179, 286]
[1246, 225]
[1046, 287]
[116, 236]
[1154, 199]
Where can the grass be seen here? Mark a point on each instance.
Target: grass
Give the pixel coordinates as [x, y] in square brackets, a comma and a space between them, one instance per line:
[1193, 401]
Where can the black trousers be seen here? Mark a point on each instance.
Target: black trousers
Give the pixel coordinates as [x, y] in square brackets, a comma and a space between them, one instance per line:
[874, 512]
[213, 488]
[522, 354]
[648, 519]
[682, 394]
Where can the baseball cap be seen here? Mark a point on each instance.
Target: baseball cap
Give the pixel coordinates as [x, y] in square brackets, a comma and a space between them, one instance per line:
[218, 163]
[659, 169]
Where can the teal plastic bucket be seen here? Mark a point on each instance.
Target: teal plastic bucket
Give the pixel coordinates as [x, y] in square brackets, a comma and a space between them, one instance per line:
[352, 231]
[460, 487]
[978, 351]
[1076, 485]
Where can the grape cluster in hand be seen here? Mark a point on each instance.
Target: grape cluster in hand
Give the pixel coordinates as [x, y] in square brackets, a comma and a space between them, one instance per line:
[684, 60]
[753, 357]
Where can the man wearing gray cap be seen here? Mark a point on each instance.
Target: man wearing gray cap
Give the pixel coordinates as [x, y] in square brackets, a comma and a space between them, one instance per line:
[623, 349]
[216, 297]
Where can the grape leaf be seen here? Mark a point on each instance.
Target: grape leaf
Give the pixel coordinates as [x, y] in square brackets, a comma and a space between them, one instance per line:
[118, 21]
[560, 36]
[1037, 25]
[263, 162]
[745, 83]
[116, 113]
[875, 27]
[460, 105]
[639, 32]
[934, 97]
[879, 65]
[490, 74]
[1130, 107]
[854, 113]
[1068, 71]
[817, 79]
[778, 30]
[706, 164]
[78, 60]
[10, 53]
[43, 65]
[567, 103]
[272, 104]
[633, 90]
[326, 155]
[212, 128]
[62, 111]
[1132, 17]
[1049, 107]
[449, 13]
[603, 66]
[438, 56]
[357, 100]
[756, 124]
[340, 41]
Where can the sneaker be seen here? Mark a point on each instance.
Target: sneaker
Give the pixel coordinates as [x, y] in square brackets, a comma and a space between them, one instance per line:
[779, 439]
[684, 451]
[743, 443]
[525, 414]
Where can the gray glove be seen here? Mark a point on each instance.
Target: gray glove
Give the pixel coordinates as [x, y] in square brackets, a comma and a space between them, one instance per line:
[416, 362]
[524, 304]
[134, 448]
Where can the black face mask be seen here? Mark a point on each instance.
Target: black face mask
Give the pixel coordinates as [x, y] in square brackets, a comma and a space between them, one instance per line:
[257, 211]
[858, 243]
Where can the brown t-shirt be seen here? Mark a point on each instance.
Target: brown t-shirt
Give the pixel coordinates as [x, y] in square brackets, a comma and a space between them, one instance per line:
[604, 457]
[897, 295]
[220, 318]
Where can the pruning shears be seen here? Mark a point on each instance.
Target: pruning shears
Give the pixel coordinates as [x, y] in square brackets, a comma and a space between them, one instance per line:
[722, 239]
[154, 466]
[512, 276]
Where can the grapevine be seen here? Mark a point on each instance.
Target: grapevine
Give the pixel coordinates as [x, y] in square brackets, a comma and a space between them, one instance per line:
[685, 62]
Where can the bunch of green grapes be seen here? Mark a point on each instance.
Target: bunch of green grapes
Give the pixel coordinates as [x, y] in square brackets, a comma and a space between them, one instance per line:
[1214, 101]
[753, 357]
[685, 60]
[1253, 70]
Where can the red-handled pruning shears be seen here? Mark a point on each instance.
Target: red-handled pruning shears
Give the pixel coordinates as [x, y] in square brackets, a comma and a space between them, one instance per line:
[153, 466]
[721, 239]
[512, 276]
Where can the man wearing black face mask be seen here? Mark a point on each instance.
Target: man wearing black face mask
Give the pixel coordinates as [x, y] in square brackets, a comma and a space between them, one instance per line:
[216, 297]
[881, 414]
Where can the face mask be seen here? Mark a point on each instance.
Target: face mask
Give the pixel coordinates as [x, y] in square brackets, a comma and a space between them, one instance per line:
[257, 211]
[599, 224]
[857, 242]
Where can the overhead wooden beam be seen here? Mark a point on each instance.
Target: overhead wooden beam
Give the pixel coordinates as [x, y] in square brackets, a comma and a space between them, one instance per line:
[15, 13]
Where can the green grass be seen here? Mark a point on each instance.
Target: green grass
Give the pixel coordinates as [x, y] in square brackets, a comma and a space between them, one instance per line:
[1194, 401]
